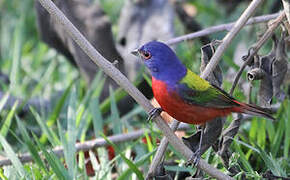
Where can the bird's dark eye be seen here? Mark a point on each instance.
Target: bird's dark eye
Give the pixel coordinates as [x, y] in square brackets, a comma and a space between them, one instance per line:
[146, 55]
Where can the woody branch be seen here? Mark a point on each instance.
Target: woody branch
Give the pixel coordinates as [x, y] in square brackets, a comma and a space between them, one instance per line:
[121, 80]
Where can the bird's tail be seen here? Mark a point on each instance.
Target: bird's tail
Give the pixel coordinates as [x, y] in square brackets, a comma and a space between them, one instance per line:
[255, 110]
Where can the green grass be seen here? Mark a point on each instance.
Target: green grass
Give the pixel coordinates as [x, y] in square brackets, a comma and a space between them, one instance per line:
[77, 114]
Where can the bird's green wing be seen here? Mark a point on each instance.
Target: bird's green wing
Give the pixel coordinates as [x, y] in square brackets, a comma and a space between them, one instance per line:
[195, 90]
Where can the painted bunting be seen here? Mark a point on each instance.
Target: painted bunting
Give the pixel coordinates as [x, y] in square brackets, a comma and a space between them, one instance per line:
[184, 95]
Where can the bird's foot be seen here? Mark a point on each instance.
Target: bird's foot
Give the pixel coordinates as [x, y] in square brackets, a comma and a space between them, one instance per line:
[153, 113]
[194, 158]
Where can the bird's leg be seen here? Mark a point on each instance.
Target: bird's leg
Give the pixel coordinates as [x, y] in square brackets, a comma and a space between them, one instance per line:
[153, 113]
[195, 157]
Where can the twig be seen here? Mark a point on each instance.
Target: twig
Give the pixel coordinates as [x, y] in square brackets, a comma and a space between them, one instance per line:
[212, 64]
[160, 152]
[120, 79]
[254, 50]
[229, 37]
[88, 145]
[221, 27]
[232, 130]
[286, 5]
[85, 146]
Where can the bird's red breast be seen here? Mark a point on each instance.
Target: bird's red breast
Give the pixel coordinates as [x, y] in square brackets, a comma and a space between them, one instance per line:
[170, 102]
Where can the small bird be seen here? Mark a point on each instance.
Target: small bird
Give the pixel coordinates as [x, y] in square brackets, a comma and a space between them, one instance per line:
[183, 94]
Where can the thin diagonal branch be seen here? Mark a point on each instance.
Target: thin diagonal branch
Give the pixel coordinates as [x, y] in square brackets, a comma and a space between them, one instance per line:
[230, 36]
[232, 130]
[88, 145]
[85, 146]
[160, 152]
[257, 46]
[236, 27]
[120, 79]
[219, 28]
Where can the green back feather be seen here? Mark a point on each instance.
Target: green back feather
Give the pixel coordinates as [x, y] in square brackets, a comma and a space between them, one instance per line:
[195, 90]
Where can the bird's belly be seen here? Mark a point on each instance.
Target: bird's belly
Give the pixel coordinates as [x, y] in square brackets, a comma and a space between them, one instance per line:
[182, 111]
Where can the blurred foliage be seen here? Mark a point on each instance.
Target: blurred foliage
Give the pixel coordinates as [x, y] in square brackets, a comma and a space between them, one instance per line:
[76, 113]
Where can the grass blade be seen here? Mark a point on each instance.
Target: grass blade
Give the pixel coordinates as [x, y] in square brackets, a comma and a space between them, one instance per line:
[131, 165]
[117, 125]
[30, 145]
[94, 91]
[98, 121]
[52, 137]
[12, 156]
[271, 163]
[54, 162]
[138, 163]
[71, 135]
[7, 123]
[243, 158]
[4, 101]
[286, 118]
[56, 111]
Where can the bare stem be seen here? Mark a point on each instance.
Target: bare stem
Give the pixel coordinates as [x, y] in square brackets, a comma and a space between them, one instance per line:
[257, 47]
[160, 151]
[286, 5]
[236, 27]
[232, 130]
[120, 79]
[219, 28]
[88, 145]
[84, 146]
[230, 36]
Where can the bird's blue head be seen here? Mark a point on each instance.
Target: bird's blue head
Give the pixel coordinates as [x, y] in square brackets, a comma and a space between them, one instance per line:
[162, 62]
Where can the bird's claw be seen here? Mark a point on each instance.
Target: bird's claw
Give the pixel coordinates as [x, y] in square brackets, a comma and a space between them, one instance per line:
[153, 113]
[194, 158]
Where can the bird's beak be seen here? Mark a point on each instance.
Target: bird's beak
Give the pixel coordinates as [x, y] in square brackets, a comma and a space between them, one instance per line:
[135, 52]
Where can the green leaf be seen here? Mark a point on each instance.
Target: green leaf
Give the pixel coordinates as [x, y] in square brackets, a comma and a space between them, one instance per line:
[54, 162]
[286, 118]
[94, 161]
[104, 167]
[52, 137]
[98, 120]
[70, 151]
[117, 125]
[271, 163]
[132, 166]
[30, 145]
[44, 78]
[7, 123]
[120, 93]
[270, 131]
[138, 163]
[149, 143]
[2, 176]
[275, 146]
[14, 75]
[147, 79]
[12, 156]
[56, 111]
[3, 101]
[243, 158]
[94, 91]
[253, 130]
[261, 133]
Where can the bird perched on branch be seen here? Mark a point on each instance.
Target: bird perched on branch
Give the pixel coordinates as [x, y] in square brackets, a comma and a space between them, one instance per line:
[184, 95]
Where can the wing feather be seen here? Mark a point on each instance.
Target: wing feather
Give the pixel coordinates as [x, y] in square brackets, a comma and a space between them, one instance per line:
[211, 96]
